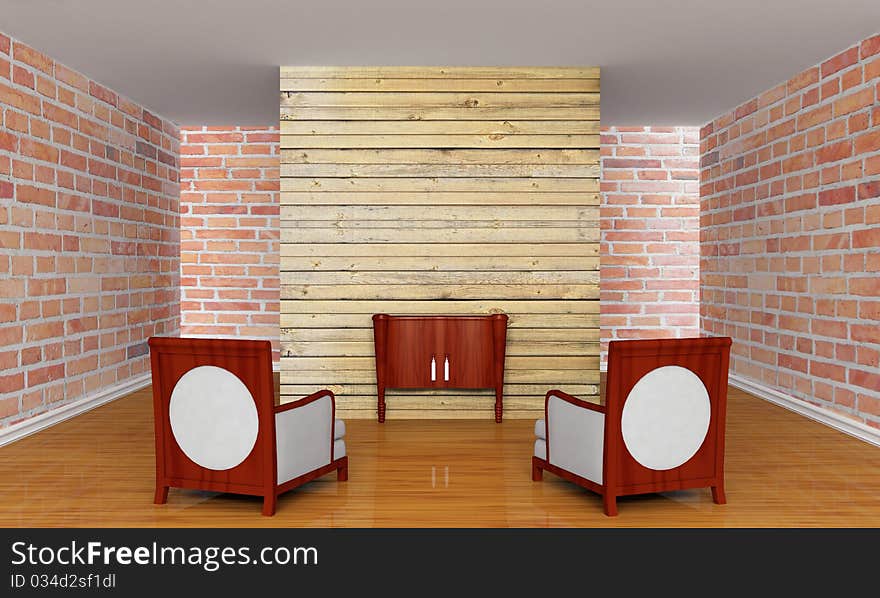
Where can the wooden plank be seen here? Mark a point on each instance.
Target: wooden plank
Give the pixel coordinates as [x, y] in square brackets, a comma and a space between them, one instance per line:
[440, 128]
[417, 225]
[463, 250]
[450, 215]
[439, 199]
[440, 72]
[438, 264]
[440, 291]
[450, 307]
[511, 363]
[514, 335]
[297, 319]
[461, 404]
[554, 378]
[587, 234]
[440, 156]
[369, 390]
[451, 403]
[428, 278]
[450, 185]
[365, 348]
[468, 101]
[464, 171]
[561, 335]
[439, 113]
[448, 404]
[491, 141]
[388, 84]
[359, 341]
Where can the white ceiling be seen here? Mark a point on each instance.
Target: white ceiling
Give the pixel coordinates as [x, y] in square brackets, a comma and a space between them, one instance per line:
[672, 62]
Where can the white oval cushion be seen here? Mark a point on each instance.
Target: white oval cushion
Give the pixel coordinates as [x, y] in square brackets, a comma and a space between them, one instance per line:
[666, 417]
[213, 417]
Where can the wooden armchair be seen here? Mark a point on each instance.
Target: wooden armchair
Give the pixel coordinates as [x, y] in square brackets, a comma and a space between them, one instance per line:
[218, 429]
[661, 427]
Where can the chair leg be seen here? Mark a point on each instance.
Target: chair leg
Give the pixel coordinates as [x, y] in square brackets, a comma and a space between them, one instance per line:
[610, 502]
[269, 504]
[342, 472]
[537, 472]
[161, 495]
[718, 495]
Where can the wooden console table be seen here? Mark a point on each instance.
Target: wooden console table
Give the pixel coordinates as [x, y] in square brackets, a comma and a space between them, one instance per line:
[440, 352]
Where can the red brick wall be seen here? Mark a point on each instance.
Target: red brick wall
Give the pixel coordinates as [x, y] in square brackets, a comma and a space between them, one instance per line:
[230, 232]
[88, 234]
[650, 233]
[790, 260]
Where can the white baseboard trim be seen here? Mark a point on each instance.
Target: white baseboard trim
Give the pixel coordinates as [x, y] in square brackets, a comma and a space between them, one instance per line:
[65, 412]
[819, 414]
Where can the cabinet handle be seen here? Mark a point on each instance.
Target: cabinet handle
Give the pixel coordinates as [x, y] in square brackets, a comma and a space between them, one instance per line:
[446, 369]
[433, 369]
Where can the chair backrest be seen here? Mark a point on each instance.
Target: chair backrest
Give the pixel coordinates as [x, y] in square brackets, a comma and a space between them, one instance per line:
[666, 403]
[213, 403]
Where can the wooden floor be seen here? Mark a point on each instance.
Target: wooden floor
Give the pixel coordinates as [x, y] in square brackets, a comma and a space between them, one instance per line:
[98, 470]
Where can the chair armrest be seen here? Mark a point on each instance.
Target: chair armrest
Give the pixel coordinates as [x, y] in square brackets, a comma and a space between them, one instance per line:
[575, 435]
[304, 431]
[306, 400]
[573, 400]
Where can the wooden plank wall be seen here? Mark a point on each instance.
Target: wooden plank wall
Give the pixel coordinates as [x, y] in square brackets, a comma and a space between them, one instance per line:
[439, 191]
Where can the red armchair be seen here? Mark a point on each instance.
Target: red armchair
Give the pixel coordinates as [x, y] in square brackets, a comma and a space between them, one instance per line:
[218, 429]
[661, 428]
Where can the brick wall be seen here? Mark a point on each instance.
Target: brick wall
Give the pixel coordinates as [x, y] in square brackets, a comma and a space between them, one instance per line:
[650, 233]
[790, 256]
[230, 230]
[88, 234]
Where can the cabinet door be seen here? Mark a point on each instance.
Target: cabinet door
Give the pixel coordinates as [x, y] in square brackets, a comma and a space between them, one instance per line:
[468, 345]
[411, 345]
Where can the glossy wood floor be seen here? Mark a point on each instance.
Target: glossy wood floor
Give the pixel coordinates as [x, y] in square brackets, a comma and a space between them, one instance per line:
[97, 470]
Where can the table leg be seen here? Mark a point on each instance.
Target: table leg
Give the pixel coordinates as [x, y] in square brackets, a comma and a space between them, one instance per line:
[381, 404]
